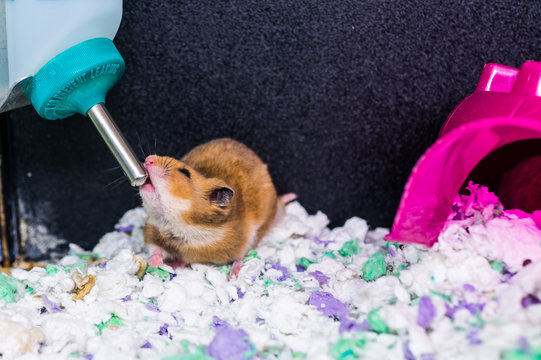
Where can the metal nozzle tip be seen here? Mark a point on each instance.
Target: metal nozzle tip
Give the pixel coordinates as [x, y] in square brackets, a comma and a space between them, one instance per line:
[138, 181]
[117, 144]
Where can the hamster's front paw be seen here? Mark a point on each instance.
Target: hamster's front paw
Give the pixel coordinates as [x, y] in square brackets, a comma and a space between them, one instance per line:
[156, 260]
[156, 255]
[235, 269]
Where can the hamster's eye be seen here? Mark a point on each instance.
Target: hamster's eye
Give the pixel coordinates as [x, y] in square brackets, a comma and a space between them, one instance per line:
[185, 172]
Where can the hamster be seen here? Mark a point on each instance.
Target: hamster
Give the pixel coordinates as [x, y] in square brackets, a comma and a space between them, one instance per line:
[211, 206]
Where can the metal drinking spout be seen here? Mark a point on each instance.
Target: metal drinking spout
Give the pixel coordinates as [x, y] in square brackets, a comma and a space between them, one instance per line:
[117, 144]
[65, 67]
[76, 82]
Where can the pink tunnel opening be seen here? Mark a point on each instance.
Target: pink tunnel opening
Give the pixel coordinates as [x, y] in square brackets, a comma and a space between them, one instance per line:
[442, 170]
[492, 138]
[513, 173]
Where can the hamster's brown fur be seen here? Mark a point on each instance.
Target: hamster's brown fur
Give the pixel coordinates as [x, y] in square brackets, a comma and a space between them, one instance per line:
[212, 206]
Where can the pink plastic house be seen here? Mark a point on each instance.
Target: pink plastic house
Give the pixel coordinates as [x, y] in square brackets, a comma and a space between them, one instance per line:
[505, 108]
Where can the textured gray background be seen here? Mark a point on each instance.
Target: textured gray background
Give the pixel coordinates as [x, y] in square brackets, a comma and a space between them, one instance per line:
[340, 98]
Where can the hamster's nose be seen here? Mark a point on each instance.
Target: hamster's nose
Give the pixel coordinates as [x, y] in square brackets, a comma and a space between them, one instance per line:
[150, 160]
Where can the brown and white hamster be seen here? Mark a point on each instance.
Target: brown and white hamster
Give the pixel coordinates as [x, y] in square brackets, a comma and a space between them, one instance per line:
[212, 206]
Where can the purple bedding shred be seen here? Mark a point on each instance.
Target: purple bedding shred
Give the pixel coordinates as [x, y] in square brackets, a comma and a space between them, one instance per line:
[151, 307]
[472, 337]
[347, 324]
[472, 308]
[217, 322]
[322, 242]
[240, 294]
[529, 300]
[328, 304]
[230, 343]
[322, 278]
[163, 329]
[427, 312]
[146, 345]
[54, 307]
[408, 355]
[281, 268]
[125, 228]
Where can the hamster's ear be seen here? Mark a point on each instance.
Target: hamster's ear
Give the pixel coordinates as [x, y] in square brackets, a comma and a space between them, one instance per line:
[221, 196]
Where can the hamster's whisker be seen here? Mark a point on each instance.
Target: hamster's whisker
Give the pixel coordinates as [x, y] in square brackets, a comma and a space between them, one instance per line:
[168, 165]
[115, 183]
[114, 168]
[143, 154]
[113, 187]
[140, 144]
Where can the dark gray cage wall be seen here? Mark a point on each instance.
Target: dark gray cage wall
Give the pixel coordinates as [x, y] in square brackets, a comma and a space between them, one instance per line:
[339, 98]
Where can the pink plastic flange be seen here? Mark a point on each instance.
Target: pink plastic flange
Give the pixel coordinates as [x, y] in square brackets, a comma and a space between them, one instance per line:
[505, 108]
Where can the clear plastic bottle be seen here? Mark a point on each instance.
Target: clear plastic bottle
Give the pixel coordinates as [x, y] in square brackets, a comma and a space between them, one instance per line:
[38, 30]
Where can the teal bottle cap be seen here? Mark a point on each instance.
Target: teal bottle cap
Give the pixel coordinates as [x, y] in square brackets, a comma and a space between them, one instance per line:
[76, 79]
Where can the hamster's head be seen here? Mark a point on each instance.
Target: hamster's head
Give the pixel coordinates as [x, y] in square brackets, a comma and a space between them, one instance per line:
[175, 194]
